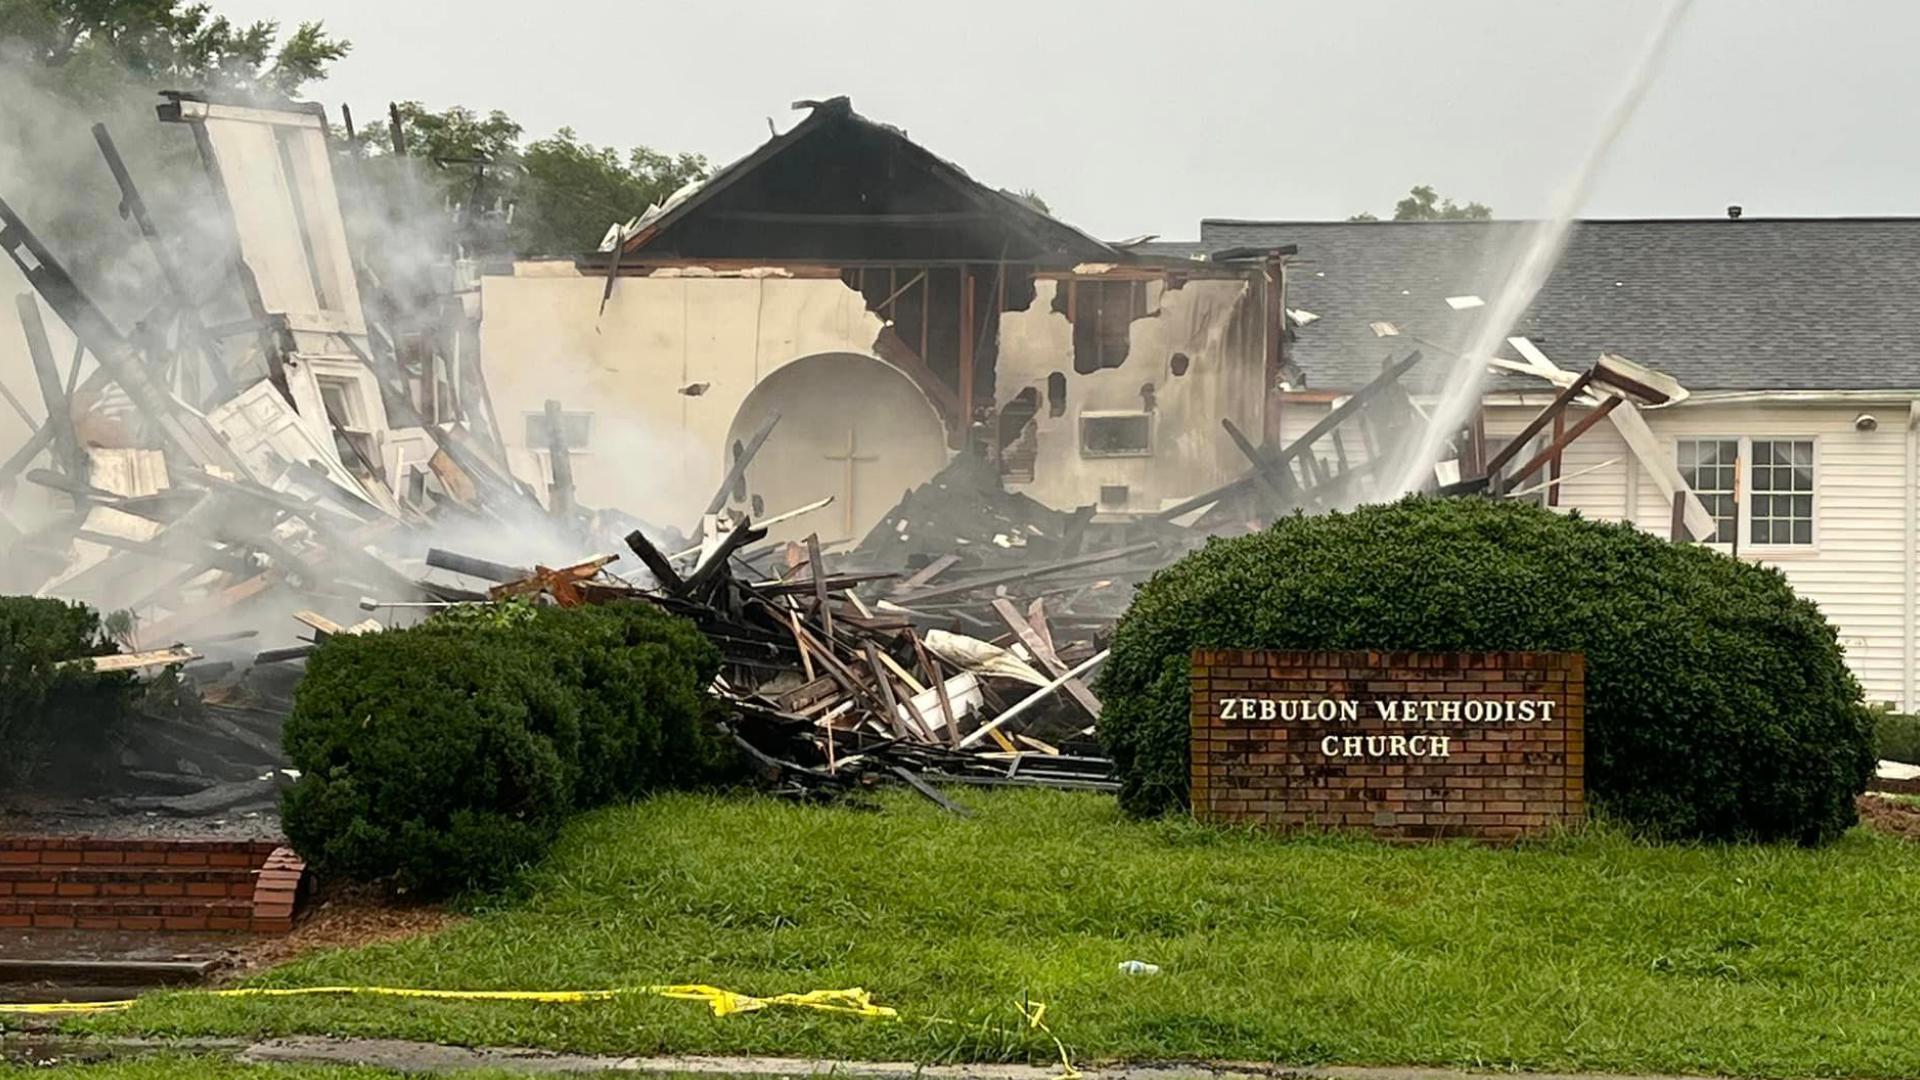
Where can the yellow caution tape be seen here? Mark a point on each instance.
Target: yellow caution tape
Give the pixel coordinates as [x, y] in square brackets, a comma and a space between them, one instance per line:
[850, 1002]
[853, 1002]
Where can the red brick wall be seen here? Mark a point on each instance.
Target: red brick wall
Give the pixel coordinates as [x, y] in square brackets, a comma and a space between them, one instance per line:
[92, 883]
[1498, 777]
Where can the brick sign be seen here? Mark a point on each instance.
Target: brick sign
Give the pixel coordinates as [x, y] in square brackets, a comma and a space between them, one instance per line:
[1411, 746]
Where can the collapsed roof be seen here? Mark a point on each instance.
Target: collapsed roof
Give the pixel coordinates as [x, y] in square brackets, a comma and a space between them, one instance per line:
[839, 187]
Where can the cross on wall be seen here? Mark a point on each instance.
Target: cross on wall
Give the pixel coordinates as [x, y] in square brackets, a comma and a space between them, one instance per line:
[852, 458]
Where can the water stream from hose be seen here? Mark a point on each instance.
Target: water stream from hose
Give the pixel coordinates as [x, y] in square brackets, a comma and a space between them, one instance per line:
[1539, 252]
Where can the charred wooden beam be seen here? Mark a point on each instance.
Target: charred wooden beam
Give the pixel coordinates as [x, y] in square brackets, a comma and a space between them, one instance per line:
[189, 434]
[1029, 572]
[655, 561]
[740, 463]
[67, 453]
[1560, 443]
[442, 559]
[1355, 403]
[1534, 426]
[134, 206]
[703, 582]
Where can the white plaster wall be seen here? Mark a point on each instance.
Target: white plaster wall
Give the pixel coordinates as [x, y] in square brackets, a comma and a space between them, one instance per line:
[1191, 452]
[655, 452]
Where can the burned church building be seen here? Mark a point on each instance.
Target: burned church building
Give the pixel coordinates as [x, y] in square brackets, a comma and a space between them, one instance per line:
[852, 311]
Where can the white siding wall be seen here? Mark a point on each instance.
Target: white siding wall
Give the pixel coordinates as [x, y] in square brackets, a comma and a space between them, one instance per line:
[1855, 570]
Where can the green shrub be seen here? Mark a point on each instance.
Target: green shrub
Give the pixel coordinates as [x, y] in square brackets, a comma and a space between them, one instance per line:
[1896, 736]
[446, 755]
[1718, 702]
[47, 709]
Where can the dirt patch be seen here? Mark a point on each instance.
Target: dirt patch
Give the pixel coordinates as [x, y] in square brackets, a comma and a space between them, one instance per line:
[1892, 816]
[344, 918]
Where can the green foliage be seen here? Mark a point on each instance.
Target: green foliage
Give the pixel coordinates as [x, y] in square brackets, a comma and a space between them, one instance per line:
[47, 707]
[1718, 702]
[1424, 204]
[445, 755]
[573, 190]
[98, 50]
[1897, 736]
[564, 192]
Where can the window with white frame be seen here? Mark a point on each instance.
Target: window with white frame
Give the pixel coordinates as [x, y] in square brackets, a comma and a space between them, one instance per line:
[1711, 467]
[1759, 490]
[1782, 503]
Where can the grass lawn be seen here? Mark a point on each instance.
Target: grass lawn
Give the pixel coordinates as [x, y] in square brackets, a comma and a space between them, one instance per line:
[1587, 952]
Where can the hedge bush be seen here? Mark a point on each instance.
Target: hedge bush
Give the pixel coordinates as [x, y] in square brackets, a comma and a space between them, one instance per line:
[1718, 702]
[46, 709]
[1897, 737]
[445, 756]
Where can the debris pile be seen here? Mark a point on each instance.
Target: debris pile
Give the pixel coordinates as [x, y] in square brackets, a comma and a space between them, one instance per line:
[834, 679]
[276, 434]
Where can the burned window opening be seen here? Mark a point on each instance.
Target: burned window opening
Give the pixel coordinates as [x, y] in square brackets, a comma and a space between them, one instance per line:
[1116, 434]
[1016, 414]
[1102, 313]
[1057, 394]
[946, 317]
[1179, 363]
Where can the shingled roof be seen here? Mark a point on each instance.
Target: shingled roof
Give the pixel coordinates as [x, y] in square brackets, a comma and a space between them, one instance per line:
[1752, 304]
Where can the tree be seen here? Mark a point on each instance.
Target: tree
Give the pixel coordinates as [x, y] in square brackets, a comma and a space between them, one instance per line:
[1424, 204]
[563, 192]
[1032, 198]
[93, 51]
[571, 191]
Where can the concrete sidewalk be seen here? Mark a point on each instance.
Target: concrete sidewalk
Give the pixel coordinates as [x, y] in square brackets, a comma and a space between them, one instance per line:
[427, 1057]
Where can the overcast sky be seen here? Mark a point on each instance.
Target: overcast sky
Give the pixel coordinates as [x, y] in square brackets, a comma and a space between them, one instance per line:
[1133, 117]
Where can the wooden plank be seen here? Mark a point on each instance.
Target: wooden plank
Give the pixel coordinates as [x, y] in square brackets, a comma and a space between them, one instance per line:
[739, 466]
[1534, 426]
[1037, 618]
[229, 597]
[1563, 439]
[816, 569]
[932, 668]
[1045, 654]
[914, 781]
[67, 452]
[927, 573]
[320, 623]
[135, 661]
